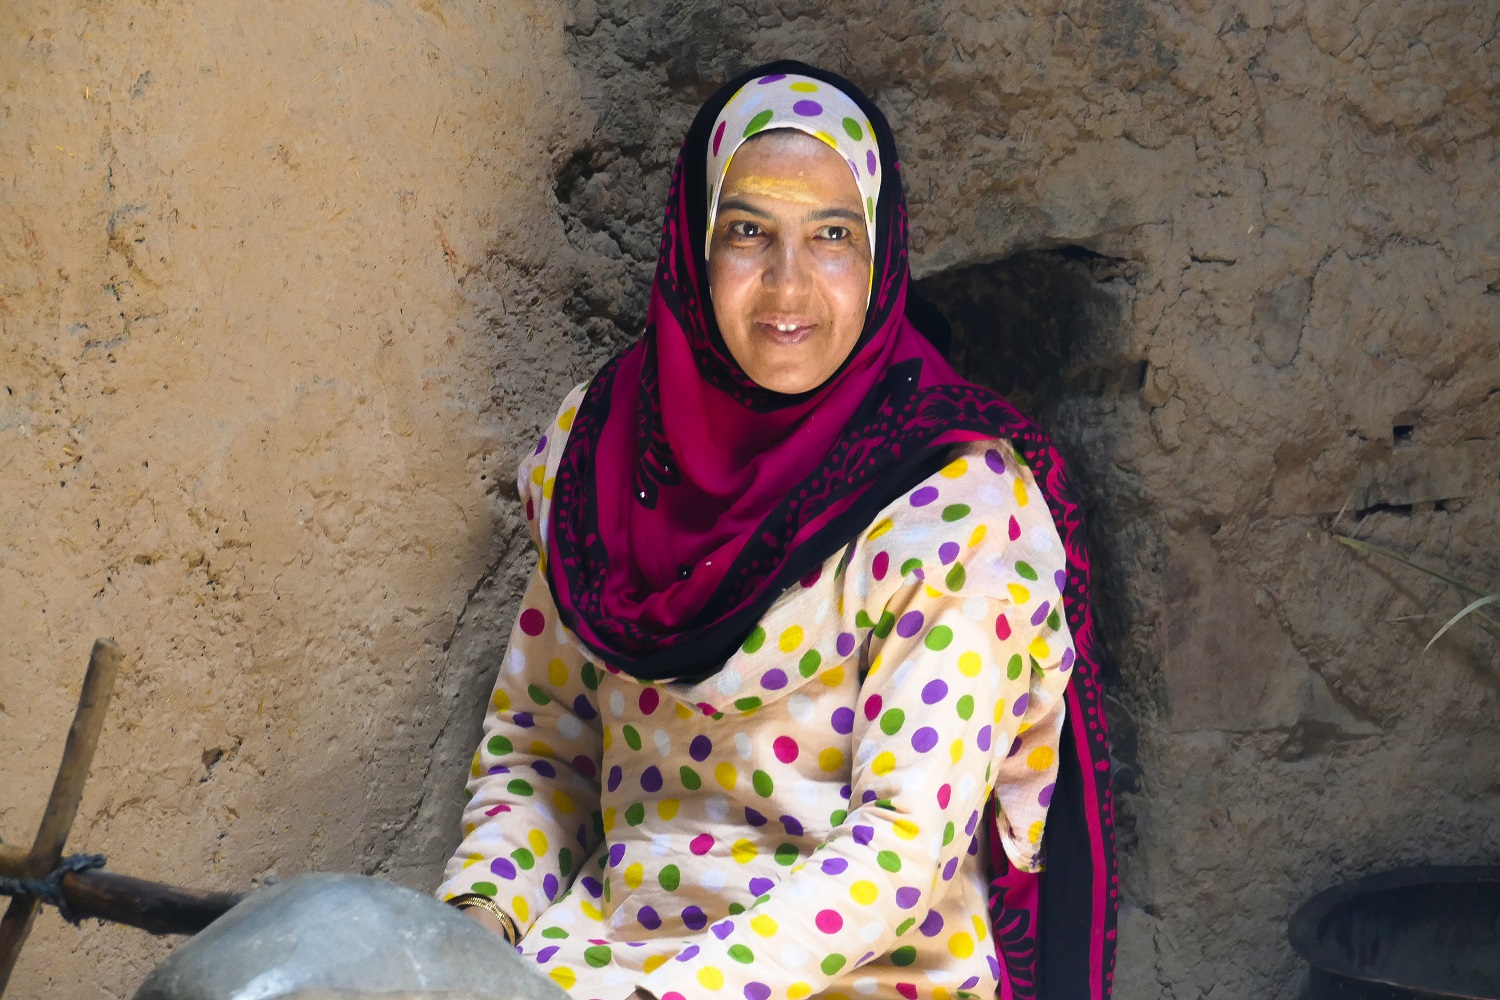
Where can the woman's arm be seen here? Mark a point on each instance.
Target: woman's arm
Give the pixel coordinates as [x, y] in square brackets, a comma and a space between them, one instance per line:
[533, 814]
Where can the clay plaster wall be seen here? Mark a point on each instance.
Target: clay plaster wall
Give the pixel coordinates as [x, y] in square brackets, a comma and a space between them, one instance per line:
[286, 292]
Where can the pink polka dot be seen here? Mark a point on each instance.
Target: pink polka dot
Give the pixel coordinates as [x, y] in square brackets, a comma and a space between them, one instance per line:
[786, 749]
[719, 137]
[1002, 627]
[812, 578]
[881, 565]
[829, 921]
[944, 796]
[706, 708]
[701, 844]
[650, 699]
[532, 621]
[872, 707]
[1015, 528]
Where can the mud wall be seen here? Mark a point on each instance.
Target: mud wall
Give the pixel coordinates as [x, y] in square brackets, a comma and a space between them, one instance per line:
[285, 294]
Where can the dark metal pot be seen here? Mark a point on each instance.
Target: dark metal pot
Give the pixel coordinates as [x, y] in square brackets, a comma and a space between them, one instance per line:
[1429, 933]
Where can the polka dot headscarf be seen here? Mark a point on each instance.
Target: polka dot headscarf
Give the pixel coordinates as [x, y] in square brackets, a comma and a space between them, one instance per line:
[783, 100]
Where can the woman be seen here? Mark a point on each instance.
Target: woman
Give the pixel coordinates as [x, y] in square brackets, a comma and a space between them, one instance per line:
[807, 657]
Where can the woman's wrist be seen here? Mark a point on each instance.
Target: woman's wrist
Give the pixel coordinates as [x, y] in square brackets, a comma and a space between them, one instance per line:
[487, 912]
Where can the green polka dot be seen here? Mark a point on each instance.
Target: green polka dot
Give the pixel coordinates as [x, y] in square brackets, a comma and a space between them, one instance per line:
[956, 577]
[555, 934]
[518, 786]
[786, 855]
[904, 956]
[565, 860]
[862, 619]
[938, 637]
[1054, 620]
[755, 640]
[810, 662]
[910, 564]
[947, 834]
[891, 721]
[741, 954]
[763, 784]
[1036, 667]
[757, 123]
[1013, 668]
[746, 704]
[852, 129]
[499, 746]
[670, 878]
[634, 813]
[632, 738]
[590, 676]
[1025, 570]
[870, 206]
[484, 888]
[690, 779]
[905, 926]
[832, 964]
[538, 696]
[884, 626]
[525, 860]
[955, 512]
[735, 909]
[889, 860]
[598, 956]
[606, 890]
[966, 706]
[837, 816]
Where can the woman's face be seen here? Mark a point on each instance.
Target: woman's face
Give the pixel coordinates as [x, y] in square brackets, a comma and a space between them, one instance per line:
[789, 261]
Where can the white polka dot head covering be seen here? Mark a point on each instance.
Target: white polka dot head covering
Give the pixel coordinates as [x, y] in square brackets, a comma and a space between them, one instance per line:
[786, 100]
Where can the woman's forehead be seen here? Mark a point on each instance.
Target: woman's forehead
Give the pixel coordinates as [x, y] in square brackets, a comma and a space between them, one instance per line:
[793, 167]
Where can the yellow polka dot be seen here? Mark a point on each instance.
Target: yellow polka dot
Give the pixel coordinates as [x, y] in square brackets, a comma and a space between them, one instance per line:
[874, 665]
[826, 138]
[566, 420]
[804, 87]
[1040, 759]
[790, 639]
[999, 710]
[557, 673]
[1018, 593]
[834, 677]
[743, 851]
[469, 828]
[881, 527]
[683, 712]
[667, 808]
[609, 819]
[541, 562]
[864, 893]
[941, 993]
[932, 591]
[956, 468]
[653, 963]
[726, 775]
[1039, 649]
[607, 738]
[562, 802]
[1034, 833]
[906, 829]
[980, 930]
[633, 875]
[956, 751]
[590, 910]
[764, 926]
[538, 473]
[710, 978]
[474, 769]
[547, 489]
[1022, 728]
[473, 859]
[540, 749]
[797, 991]
[519, 909]
[977, 535]
[1022, 499]
[538, 841]
[563, 976]
[831, 759]
[961, 945]
[501, 701]
[969, 664]
[884, 762]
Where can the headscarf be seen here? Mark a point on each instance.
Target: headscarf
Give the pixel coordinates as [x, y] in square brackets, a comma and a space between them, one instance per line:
[688, 497]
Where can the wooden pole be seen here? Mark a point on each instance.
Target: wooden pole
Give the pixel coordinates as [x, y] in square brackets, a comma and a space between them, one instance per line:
[151, 906]
[62, 804]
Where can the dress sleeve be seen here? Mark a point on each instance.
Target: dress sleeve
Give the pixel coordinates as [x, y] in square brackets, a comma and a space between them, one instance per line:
[941, 705]
[533, 814]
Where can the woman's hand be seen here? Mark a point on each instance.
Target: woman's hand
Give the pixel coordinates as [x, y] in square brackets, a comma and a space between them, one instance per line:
[485, 919]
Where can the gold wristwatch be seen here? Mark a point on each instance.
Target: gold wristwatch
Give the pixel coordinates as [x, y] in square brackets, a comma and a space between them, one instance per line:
[488, 905]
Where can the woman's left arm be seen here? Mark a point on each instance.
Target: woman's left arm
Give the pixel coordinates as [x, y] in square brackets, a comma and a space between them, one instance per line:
[942, 705]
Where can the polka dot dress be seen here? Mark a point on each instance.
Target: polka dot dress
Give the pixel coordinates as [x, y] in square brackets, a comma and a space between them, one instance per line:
[806, 822]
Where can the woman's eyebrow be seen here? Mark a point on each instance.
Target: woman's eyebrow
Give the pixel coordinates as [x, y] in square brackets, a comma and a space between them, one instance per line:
[824, 214]
[740, 205]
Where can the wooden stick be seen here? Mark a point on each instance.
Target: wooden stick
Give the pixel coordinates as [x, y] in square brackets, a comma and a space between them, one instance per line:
[62, 804]
[12, 860]
[151, 906]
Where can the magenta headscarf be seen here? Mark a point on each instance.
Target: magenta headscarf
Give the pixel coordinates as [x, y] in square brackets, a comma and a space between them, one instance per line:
[688, 497]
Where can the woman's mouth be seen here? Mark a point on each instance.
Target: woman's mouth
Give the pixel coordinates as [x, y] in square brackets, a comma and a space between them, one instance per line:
[786, 333]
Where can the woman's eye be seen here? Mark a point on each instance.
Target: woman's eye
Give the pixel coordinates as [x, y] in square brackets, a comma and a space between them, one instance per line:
[834, 233]
[746, 230]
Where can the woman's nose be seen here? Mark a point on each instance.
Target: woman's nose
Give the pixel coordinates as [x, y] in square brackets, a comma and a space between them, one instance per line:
[788, 271]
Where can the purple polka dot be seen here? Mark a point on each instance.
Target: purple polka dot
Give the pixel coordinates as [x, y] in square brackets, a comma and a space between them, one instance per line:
[1022, 700]
[616, 854]
[700, 748]
[723, 929]
[995, 462]
[545, 955]
[1067, 660]
[973, 850]
[503, 867]
[523, 720]
[757, 991]
[774, 680]
[583, 709]
[947, 552]
[834, 866]
[1040, 614]
[1061, 579]
[924, 739]
[845, 643]
[615, 774]
[949, 869]
[808, 109]
[994, 964]
[544, 768]
[694, 918]
[870, 162]
[651, 779]
[972, 823]
[864, 834]
[549, 885]
[924, 496]
[908, 896]
[934, 692]
[1044, 799]
[843, 720]
[868, 796]
[591, 886]
[970, 983]
[541, 445]
[933, 925]
[771, 79]
[649, 918]
[983, 739]
[910, 624]
[792, 825]
[691, 951]
[754, 818]
[761, 886]
[1015, 747]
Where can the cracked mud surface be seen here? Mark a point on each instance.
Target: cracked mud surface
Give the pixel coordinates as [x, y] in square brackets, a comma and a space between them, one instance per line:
[283, 298]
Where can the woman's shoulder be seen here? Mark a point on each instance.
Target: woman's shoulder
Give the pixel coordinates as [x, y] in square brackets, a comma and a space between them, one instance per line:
[534, 476]
[979, 526]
